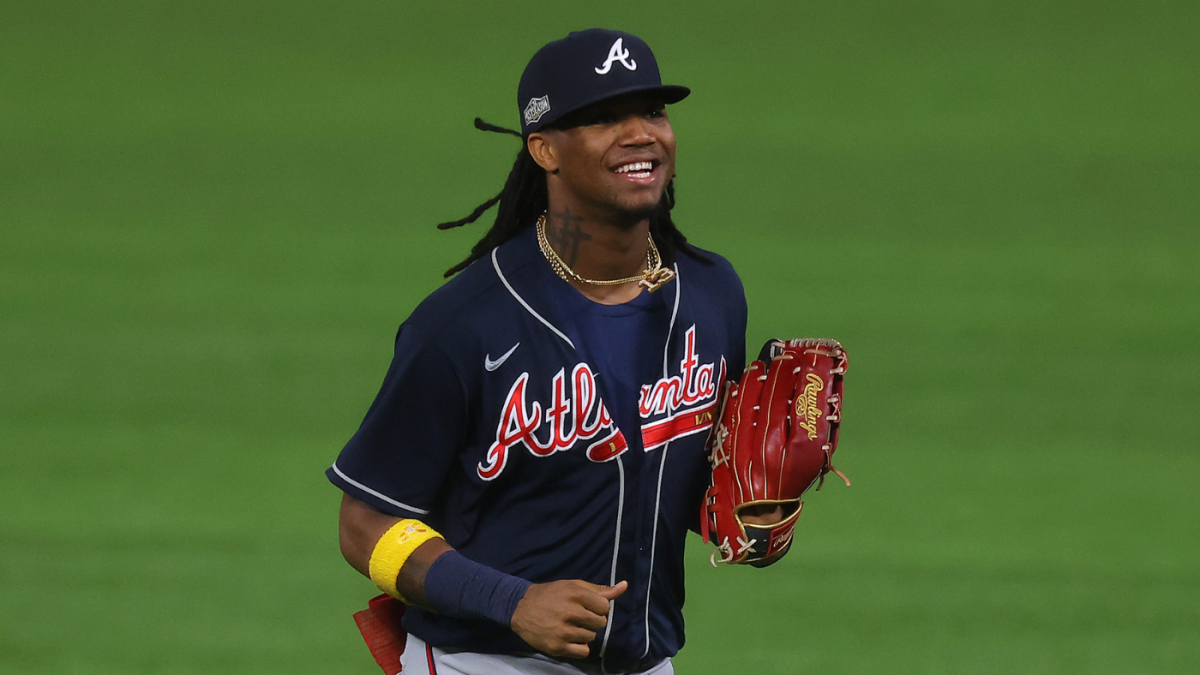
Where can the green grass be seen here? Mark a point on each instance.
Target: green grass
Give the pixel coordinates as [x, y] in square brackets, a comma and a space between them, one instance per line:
[212, 219]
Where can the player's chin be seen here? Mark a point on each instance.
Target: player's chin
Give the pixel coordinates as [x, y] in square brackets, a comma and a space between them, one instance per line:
[639, 203]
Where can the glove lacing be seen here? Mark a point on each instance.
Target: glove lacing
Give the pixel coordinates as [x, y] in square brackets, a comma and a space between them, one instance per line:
[726, 550]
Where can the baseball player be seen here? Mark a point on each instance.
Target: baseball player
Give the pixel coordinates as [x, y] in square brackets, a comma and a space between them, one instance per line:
[529, 470]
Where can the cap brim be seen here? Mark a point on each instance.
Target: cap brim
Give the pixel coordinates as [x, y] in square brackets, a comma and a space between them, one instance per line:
[673, 93]
[670, 93]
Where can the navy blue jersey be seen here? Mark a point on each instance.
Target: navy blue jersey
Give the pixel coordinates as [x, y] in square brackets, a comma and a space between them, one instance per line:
[494, 426]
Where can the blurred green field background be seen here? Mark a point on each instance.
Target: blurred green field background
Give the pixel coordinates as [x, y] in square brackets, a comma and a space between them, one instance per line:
[214, 215]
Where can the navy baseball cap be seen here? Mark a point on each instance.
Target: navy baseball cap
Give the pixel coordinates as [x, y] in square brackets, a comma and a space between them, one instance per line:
[583, 68]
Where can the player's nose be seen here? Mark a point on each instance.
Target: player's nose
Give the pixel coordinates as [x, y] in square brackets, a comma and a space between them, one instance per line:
[635, 130]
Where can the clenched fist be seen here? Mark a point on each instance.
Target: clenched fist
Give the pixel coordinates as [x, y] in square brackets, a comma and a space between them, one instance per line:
[560, 618]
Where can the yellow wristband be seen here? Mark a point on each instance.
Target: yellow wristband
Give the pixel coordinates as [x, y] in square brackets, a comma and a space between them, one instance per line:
[393, 549]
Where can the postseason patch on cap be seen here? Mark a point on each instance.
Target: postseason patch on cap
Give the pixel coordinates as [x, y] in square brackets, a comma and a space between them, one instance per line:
[536, 108]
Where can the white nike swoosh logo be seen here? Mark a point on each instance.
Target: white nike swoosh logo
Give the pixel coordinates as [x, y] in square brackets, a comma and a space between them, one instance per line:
[490, 365]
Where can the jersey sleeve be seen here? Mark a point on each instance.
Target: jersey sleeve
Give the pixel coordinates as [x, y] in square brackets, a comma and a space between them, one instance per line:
[400, 456]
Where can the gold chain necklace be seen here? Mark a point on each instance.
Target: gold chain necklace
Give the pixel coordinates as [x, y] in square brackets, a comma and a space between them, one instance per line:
[654, 277]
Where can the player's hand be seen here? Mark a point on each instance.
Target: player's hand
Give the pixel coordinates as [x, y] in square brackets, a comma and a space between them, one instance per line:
[764, 514]
[560, 618]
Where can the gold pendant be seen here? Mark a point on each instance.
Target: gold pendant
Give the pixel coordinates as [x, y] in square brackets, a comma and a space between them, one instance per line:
[657, 278]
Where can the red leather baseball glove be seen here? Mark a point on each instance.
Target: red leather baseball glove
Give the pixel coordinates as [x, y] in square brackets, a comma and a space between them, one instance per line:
[775, 440]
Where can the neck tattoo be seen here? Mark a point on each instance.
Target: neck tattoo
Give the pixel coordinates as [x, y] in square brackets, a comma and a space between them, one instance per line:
[567, 236]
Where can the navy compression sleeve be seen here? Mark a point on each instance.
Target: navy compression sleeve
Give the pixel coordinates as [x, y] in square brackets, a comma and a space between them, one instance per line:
[458, 587]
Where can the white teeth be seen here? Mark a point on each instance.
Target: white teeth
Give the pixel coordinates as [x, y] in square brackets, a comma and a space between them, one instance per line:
[637, 166]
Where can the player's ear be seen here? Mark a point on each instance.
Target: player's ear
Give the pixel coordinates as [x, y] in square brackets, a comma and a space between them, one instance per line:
[543, 151]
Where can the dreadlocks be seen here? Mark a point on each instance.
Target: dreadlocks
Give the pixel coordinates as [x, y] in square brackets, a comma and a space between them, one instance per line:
[523, 199]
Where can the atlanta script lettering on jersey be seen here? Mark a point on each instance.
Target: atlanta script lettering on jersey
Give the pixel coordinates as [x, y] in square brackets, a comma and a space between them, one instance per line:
[577, 413]
[693, 384]
[689, 399]
[578, 417]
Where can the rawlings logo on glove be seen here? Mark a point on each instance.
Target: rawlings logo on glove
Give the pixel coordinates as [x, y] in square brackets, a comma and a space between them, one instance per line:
[778, 430]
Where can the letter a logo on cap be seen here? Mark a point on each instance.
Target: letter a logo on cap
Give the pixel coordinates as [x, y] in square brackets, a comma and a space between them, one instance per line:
[617, 53]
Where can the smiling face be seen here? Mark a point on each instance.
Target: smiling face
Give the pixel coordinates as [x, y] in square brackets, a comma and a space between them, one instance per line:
[614, 157]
